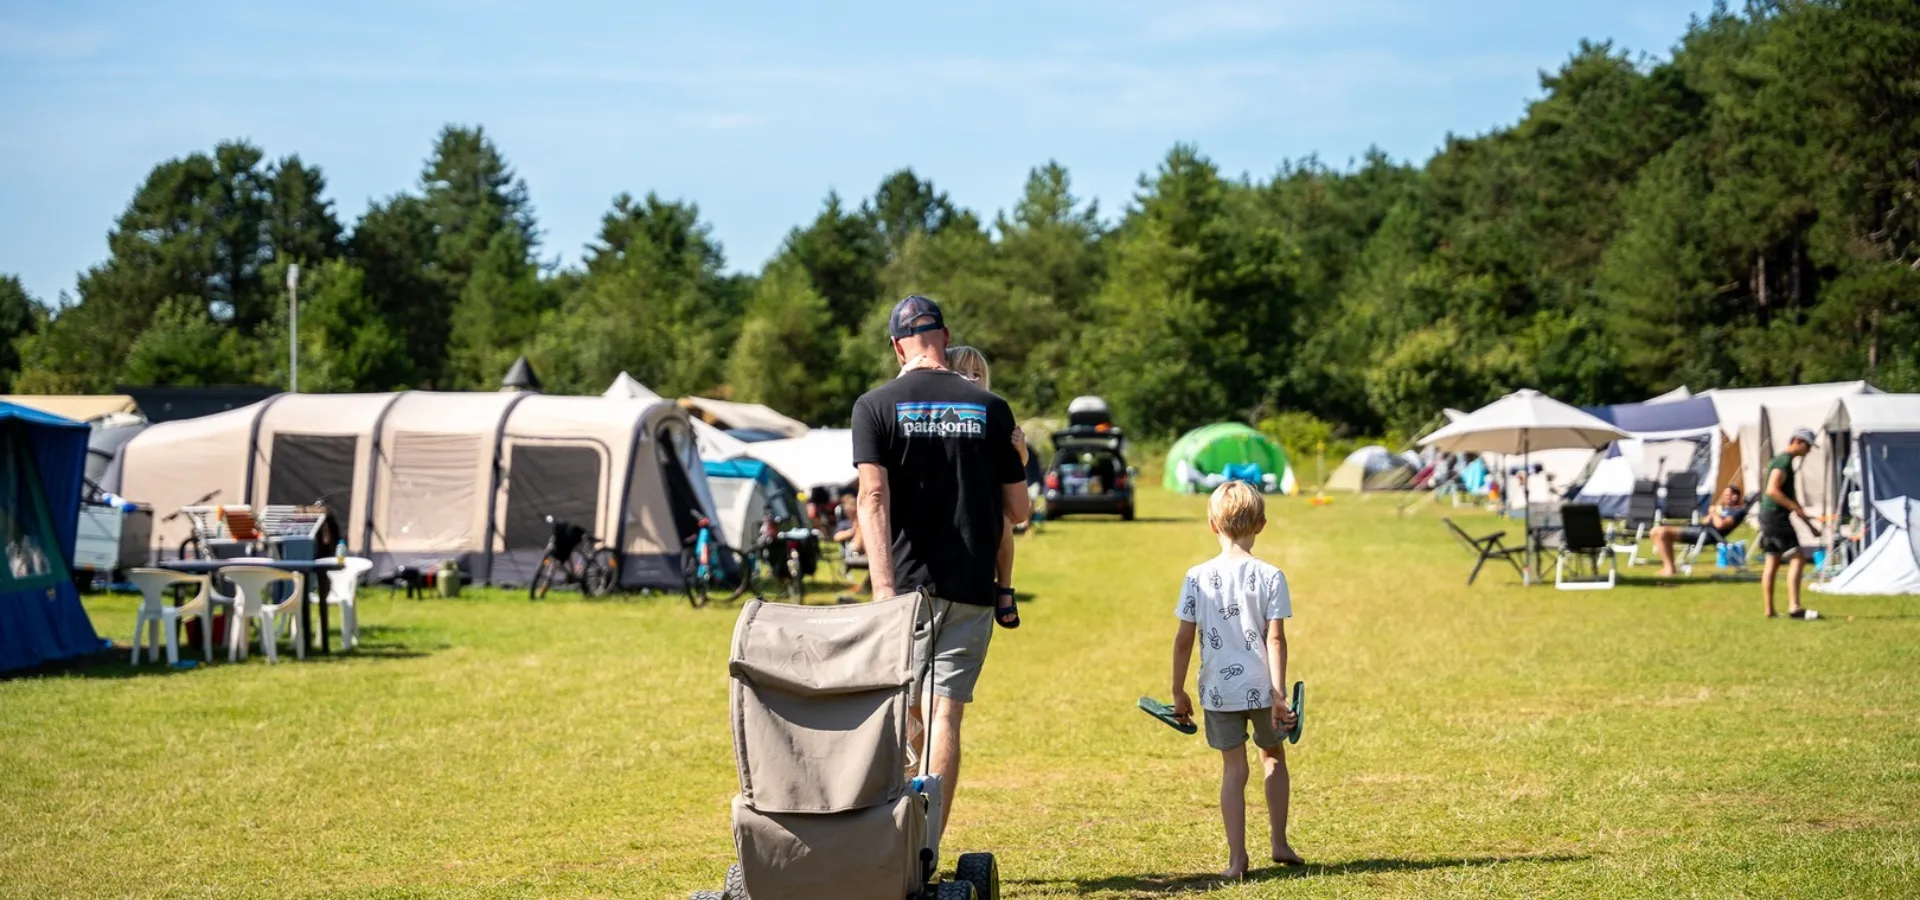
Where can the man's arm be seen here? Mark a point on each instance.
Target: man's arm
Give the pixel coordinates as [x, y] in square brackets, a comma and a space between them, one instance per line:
[1277, 670]
[1182, 661]
[876, 528]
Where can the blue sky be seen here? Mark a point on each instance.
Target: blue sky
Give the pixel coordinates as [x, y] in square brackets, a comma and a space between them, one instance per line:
[751, 110]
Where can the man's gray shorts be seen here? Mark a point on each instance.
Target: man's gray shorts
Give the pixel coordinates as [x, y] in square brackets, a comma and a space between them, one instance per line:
[1227, 730]
[961, 634]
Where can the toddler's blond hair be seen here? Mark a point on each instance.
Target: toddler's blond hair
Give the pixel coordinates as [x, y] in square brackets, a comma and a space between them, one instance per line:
[1236, 509]
[967, 361]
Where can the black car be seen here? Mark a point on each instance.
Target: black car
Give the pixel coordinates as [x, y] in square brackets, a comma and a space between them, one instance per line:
[1089, 473]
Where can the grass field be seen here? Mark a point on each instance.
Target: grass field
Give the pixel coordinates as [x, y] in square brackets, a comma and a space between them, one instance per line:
[1657, 740]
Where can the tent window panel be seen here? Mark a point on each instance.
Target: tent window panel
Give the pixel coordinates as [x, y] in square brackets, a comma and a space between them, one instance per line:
[435, 491]
[558, 481]
[1893, 469]
[26, 529]
[309, 467]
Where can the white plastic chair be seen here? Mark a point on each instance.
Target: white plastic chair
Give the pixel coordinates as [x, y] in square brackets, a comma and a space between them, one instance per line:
[158, 614]
[342, 591]
[252, 585]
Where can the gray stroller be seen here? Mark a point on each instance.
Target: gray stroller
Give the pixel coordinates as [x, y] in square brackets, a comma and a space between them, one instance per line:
[827, 809]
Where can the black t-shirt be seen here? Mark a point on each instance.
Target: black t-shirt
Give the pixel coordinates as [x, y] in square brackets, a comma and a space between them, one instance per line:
[947, 447]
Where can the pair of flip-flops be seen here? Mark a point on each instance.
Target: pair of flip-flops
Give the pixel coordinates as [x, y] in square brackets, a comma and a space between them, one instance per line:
[1164, 713]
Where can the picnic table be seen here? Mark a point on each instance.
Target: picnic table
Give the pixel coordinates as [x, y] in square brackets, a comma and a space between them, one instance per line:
[300, 567]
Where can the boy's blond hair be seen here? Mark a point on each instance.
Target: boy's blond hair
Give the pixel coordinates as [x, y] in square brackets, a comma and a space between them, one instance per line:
[1236, 509]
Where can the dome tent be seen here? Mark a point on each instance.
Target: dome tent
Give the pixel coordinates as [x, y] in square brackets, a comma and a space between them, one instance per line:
[1210, 449]
[1373, 468]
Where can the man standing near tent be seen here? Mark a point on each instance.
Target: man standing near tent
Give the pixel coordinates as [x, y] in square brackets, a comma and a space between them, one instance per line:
[1778, 504]
[938, 478]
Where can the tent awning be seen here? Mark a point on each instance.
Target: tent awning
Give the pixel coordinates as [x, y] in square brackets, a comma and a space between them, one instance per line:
[1860, 414]
[78, 407]
[728, 414]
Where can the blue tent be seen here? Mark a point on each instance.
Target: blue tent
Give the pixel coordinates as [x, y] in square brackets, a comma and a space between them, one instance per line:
[743, 491]
[1650, 419]
[42, 458]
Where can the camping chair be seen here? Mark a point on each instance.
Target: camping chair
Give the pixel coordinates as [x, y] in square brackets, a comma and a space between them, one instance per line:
[1583, 538]
[1683, 498]
[1486, 548]
[156, 614]
[343, 590]
[1708, 537]
[1643, 509]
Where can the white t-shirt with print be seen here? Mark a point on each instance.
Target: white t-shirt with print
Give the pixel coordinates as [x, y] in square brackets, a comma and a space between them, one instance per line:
[1230, 600]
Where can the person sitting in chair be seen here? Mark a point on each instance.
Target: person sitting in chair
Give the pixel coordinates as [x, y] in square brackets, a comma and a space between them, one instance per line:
[1722, 519]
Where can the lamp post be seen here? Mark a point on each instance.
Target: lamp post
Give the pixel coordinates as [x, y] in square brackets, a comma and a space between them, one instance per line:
[293, 328]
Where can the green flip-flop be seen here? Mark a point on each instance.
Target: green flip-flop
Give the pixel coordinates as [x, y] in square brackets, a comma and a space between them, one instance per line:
[1164, 713]
[1299, 707]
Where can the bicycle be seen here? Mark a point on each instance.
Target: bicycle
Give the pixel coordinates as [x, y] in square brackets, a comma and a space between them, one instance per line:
[574, 557]
[191, 548]
[785, 554]
[709, 567]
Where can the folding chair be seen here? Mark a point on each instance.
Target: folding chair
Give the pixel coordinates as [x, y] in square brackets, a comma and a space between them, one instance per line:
[1683, 498]
[1643, 509]
[1486, 548]
[1583, 538]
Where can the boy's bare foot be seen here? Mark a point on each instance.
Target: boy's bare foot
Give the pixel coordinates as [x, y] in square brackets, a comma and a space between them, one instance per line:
[1668, 573]
[1286, 856]
[1236, 870]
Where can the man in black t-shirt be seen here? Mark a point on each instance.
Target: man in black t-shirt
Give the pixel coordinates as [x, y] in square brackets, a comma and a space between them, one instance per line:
[938, 477]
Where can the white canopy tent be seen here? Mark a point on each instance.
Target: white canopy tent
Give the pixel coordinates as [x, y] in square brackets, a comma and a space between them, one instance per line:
[1891, 565]
[1517, 425]
[1739, 413]
[823, 456]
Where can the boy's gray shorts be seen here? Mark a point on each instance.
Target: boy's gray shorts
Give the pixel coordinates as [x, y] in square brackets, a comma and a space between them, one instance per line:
[1227, 730]
[961, 634]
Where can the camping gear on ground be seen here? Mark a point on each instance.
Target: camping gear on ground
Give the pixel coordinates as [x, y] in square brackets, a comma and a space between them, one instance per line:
[1583, 540]
[1518, 424]
[446, 582]
[1487, 547]
[819, 707]
[42, 457]
[416, 477]
[1209, 449]
[1891, 563]
[1372, 468]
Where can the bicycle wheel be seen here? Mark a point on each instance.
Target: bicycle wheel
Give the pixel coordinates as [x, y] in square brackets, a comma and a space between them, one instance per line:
[696, 586]
[736, 570]
[542, 578]
[603, 572]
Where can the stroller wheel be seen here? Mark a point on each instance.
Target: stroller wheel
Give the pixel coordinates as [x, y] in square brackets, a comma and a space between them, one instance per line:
[706, 895]
[956, 890]
[979, 870]
[736, 884]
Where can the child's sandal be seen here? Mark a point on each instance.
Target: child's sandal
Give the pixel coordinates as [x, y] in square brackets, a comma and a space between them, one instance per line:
[1009, 615]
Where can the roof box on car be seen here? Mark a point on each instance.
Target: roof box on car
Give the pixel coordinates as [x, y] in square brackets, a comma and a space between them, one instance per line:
[1089, 411]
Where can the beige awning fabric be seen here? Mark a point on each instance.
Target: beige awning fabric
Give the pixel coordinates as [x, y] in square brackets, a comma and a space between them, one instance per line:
[728, 414]
[78, 407]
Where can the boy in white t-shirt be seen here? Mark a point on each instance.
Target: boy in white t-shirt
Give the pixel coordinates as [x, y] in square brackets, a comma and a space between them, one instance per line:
[1236, 606]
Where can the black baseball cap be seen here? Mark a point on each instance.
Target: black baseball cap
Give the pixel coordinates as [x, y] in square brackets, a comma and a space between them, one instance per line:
[910, 309]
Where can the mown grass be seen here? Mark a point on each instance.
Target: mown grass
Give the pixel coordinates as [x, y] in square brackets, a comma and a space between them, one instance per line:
[1657, 740]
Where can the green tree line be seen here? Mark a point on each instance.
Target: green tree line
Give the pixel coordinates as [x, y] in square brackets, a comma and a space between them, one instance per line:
[1746, 211]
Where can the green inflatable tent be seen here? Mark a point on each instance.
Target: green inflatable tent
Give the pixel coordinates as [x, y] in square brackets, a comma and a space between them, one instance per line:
[1209, 449]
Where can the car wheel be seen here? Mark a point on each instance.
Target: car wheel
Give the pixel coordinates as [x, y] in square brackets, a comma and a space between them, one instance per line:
[1126, 514]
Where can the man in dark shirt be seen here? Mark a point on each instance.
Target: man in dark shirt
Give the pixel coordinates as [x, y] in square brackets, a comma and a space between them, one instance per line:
[938, 478]
[1778, 502]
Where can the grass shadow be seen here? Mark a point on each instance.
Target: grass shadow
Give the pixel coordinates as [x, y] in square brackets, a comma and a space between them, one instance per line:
[1154, 885]
[383, 642]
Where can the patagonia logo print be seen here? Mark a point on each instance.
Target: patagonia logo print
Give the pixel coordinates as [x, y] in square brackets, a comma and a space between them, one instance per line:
[939, 419]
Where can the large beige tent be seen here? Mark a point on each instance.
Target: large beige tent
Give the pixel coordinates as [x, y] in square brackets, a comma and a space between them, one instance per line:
[417, 477]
